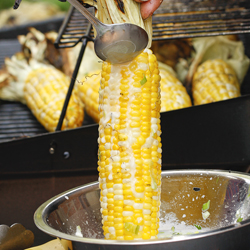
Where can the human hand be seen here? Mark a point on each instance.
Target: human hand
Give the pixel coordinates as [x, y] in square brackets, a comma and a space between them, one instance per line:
[148, 7]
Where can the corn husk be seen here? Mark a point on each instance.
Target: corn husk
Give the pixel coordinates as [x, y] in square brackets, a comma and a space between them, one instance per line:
[219, 47]
[11, 89]
[40, 47]
[172, 50]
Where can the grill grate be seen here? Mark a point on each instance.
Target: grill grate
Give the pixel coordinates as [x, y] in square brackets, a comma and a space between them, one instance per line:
[175, 19]
[17, 122]
[8, 48]
[201, 24]
[74, 28]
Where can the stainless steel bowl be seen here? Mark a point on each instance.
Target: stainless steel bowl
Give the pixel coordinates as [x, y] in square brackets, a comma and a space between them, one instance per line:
[75, 214]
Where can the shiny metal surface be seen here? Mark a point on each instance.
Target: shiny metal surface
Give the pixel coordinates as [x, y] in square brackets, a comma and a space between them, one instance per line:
[183, 194]
[116, 43]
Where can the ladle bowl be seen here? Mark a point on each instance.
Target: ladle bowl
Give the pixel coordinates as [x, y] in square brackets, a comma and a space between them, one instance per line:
[75, 214]
[115, 43]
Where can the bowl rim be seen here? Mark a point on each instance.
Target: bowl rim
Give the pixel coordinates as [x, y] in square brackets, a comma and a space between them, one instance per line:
[41, 212]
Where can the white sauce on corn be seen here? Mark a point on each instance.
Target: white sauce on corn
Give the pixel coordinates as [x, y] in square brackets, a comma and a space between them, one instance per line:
[128, 202]
[146, 211]
[111, 115]
[127, 213]
[138, 206]
[118, 197]
[117, 186]
[118, 191]
[112, 230]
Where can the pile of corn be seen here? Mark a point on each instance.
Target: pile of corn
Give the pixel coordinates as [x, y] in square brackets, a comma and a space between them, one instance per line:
[210, 80]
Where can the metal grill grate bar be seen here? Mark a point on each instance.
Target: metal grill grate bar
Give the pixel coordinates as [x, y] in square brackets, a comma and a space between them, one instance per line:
[16, 121]
[208, 23]
[73, 30]
[9, 47]
[177, 6]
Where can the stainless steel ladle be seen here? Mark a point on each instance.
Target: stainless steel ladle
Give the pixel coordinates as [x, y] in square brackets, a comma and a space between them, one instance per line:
[115, 43]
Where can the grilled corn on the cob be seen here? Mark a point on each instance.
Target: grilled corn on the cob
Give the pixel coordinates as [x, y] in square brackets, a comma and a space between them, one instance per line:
[173, 94]
[44, 91]
[129, 162]
[130, 148]
[213, 81]
[88, 91]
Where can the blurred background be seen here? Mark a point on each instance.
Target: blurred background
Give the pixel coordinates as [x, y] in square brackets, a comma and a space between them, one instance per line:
[30, 10]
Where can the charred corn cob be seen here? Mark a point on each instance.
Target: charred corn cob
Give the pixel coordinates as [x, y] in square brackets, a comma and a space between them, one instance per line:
[213, 81]
[130, 148]
[44, 91]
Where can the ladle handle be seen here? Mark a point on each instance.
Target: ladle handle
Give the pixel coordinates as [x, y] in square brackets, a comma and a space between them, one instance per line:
[99, 26]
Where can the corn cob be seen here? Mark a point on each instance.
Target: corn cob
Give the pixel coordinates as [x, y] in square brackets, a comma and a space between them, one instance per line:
[129, 162]
[44, 91]
[88, 91]
[213, 81]
[173, 94]
[129, 140]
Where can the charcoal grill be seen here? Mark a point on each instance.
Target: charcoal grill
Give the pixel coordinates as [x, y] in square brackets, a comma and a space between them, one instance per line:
[208, 136]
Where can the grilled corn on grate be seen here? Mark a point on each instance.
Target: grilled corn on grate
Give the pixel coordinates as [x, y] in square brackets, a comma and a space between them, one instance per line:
[43, 89]
[214, 80]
